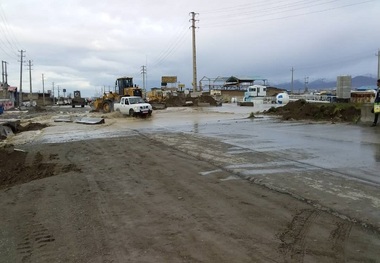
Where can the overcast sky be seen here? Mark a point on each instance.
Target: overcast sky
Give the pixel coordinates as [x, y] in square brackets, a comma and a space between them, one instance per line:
[87, 44]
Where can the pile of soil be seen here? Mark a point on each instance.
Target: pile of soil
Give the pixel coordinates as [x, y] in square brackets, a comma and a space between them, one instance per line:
[207, 99]
[36, 109]
[15, 171]
[179, 101]
[22, 166]
[302, 110]
[32, 126]
[16, 128]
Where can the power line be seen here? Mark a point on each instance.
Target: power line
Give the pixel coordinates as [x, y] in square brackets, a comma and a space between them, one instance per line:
[175, 42]
[8, 40]
[250, 15]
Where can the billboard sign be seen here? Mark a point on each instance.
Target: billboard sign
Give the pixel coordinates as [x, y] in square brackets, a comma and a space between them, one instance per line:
[169, 79]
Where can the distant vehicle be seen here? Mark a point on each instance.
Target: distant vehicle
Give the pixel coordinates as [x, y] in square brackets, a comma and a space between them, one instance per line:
[255, 91]
[133, 106]
[78, 100]
[63, 101]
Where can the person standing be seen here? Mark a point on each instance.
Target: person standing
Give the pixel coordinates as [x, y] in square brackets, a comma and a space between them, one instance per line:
[377, 100]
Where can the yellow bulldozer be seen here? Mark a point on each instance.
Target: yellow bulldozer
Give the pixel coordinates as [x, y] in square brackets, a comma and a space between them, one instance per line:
[123, 87]
[157, 98]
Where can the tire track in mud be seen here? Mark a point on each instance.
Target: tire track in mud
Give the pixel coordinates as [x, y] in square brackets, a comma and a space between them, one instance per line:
[295, 246]
[293, 239]
[36, 239]
[338, 237]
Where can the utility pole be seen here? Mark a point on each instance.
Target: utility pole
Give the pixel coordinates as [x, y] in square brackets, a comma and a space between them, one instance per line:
[143, 72]
[378, 64]
[30, 81]
[43, 89]
[306, 82]
[53, 95]
[146, 74]
[20, 92]
[193, 14]
[292, 70]
[4, 72]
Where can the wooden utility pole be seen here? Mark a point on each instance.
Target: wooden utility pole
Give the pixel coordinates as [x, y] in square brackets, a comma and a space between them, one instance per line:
[194, 51]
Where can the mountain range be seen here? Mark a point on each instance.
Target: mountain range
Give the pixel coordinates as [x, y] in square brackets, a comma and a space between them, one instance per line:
[323, 84]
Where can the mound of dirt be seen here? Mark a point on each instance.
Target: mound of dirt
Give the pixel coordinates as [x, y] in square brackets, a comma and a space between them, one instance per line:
[36, 109]
[179, 101]
[32, 126]
[175, 101]
[15, 171]
[302, 110]
[25, 166]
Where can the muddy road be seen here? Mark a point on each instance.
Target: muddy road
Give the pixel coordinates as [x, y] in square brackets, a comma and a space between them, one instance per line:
[183, 190]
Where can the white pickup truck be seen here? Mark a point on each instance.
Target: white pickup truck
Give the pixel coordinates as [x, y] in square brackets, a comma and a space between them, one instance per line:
[133, 106]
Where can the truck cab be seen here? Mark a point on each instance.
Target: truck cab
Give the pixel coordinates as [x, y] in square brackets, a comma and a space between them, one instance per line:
[125, 87]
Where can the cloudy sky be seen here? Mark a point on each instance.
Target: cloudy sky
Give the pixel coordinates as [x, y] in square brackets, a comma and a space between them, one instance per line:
[87, 44]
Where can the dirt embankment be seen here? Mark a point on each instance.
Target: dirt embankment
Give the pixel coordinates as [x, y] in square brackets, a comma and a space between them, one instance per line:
[179, 101]
[302, 110]
[18, 169]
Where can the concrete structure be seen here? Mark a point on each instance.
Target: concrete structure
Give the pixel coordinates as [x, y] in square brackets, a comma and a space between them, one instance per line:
[343, 87]
[366, 115]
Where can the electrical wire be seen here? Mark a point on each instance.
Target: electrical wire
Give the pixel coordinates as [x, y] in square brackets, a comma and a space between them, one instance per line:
[8, 42]
[175, 43]
[279, 12]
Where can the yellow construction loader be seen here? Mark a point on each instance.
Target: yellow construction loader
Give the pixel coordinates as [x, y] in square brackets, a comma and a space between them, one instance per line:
[156, 98]
[123, 87]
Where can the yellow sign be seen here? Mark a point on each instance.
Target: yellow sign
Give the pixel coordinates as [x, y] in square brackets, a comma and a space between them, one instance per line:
[169, 79]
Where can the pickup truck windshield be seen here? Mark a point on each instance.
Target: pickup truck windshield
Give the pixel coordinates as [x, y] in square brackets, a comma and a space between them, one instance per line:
[136, 100]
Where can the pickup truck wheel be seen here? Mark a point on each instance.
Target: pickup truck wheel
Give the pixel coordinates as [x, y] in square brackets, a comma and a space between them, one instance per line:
[131, 112]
